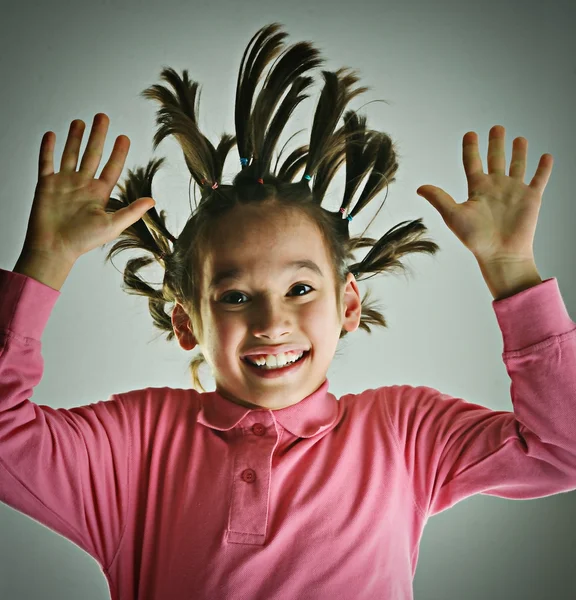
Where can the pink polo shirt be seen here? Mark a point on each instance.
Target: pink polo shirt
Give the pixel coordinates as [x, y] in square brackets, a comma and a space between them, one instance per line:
[179, 494]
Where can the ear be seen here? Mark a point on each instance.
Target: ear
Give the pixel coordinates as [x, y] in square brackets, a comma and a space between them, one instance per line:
[182, 328]
[352, 305]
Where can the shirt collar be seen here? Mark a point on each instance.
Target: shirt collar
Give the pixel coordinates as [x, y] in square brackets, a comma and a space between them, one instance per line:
[311, 416]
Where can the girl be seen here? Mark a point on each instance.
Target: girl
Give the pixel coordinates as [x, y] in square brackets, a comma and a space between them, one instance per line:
[270, 487]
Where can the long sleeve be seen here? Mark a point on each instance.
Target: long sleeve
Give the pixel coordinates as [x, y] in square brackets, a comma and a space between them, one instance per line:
[455, 448]
[65, 468]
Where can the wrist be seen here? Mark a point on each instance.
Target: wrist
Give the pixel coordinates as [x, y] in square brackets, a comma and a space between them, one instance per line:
[49, 269]
[505, 279]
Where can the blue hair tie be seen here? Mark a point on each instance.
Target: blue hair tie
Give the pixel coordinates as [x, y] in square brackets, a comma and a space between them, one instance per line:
[342, 210]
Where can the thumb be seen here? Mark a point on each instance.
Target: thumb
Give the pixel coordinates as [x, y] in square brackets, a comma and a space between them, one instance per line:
[145, 204]
[125, 217]
[139, 208]
[438, 198]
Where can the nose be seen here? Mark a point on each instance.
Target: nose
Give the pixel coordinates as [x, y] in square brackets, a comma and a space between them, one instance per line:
[271, 320]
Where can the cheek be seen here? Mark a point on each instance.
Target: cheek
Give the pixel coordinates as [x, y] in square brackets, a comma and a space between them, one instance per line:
[323, 312]
[228, 334]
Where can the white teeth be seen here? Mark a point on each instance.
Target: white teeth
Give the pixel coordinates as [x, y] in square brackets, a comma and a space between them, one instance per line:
[275, 360]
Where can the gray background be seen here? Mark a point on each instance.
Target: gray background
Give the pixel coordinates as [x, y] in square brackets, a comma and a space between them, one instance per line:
[444, 68]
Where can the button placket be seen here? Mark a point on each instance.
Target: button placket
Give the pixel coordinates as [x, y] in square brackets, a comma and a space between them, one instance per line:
[248, 516]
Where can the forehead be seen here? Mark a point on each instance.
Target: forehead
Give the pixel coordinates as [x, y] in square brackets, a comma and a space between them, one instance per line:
[253, 229]
[250, 240]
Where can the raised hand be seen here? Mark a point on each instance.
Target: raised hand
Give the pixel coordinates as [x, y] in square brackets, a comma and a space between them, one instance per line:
[68, 216]
[498, 221]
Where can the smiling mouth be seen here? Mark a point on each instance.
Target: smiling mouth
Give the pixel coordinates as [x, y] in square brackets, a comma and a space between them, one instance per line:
[265, 368]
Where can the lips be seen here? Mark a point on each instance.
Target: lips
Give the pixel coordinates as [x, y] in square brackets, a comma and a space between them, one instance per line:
[304, 353]
[269, 374]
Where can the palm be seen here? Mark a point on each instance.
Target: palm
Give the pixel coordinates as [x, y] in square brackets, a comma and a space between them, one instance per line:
[498, 219]
[69, 215]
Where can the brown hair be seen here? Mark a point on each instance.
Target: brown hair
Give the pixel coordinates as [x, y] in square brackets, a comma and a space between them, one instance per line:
[365, 152]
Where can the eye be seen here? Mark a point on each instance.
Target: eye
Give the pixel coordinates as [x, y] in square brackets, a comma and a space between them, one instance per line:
[298, 285]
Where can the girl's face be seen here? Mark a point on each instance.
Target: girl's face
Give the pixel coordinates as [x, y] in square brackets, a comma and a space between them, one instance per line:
[268, 305]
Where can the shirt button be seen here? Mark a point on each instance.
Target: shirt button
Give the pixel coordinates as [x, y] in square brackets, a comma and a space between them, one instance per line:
[249, 475]
[258, 429]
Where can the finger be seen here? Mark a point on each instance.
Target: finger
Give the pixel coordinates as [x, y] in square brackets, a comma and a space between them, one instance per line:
[93, 153]
[543, 172]
[470, 155]
[72, 147]
[125, 217]
[113, 168]
[46, 160]
[518, 162]
[497, 150]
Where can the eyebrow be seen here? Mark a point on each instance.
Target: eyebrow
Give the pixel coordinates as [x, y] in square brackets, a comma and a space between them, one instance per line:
[236, 272]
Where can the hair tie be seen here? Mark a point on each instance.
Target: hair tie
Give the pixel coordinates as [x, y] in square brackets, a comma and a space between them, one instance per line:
[342, 210]
[213, 187]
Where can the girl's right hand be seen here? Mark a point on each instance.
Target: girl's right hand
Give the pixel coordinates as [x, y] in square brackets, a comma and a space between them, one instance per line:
[68, 217]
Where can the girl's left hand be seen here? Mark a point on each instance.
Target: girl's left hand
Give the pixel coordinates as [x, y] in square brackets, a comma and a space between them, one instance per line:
[498, 221]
